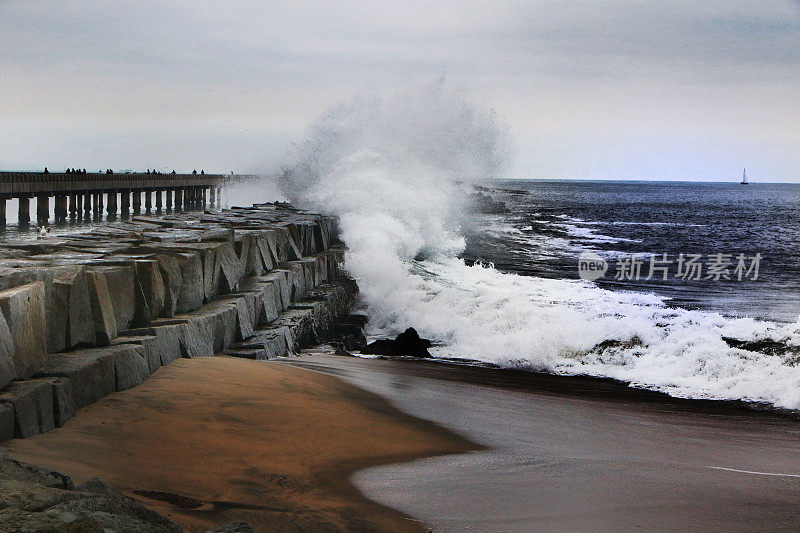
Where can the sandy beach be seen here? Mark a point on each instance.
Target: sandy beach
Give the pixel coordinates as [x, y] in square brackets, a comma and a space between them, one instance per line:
[286, 447]
[228, 439]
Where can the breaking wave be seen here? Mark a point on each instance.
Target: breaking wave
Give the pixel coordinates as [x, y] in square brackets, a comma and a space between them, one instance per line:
[392, 168]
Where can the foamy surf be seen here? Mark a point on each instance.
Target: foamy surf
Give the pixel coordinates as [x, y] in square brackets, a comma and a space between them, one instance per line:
[387, 168]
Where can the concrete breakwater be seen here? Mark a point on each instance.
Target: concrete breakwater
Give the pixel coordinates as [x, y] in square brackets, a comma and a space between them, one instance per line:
[85, 315]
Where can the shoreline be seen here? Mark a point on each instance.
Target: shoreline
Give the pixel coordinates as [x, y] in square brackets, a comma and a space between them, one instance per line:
[265, 443]
[578, 454]
[472, 371]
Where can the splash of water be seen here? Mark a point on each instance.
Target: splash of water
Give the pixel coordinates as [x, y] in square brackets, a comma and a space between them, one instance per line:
[387, 168]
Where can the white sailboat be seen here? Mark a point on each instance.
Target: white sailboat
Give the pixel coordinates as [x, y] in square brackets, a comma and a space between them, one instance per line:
[744, 177]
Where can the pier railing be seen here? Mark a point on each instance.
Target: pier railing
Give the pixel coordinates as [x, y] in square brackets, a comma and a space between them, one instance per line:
[31, 183]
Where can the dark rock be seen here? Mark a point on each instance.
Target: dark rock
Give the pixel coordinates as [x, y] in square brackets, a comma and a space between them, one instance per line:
[485, 204]
[234, 527]
[407, 343]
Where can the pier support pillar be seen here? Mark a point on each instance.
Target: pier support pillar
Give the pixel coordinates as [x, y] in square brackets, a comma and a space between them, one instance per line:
[98, 204]
[137, 201]
[3, 199]
[111, 204]
[24, 216]
[87, 204]
[125, 202]
[178, 199]
[212, 196]
[61, 208]
[157, 192]
[148, 200]
[203, 197]
[73, 204]
[42, 209]
[219, 197]
[168, 194]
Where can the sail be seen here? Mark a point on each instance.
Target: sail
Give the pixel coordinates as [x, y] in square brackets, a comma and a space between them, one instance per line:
[744, 175]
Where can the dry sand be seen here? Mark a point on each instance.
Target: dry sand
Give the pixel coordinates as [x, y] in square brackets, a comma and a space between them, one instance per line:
[269, 444]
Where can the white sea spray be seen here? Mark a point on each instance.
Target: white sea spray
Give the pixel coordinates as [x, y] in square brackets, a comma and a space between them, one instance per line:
[386, 166]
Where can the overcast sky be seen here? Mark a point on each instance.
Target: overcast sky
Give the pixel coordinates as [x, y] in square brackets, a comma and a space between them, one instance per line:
[589, 88]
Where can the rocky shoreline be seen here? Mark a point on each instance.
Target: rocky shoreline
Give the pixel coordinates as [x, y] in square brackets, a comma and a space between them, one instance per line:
[88, 314]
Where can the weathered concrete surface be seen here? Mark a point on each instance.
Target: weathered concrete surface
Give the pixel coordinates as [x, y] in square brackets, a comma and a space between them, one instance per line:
[105, 323]
[69, 316]
[135, 295]
[23, 310]
[90, 371]
[7, 369]
[33, 406]
[130, 366]
[148, 272]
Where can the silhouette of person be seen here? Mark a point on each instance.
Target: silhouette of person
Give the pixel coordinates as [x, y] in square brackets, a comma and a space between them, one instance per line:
[46, 171]
[194, 172]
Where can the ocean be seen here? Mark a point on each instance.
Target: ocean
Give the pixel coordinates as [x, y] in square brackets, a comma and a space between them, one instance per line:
[550, 222]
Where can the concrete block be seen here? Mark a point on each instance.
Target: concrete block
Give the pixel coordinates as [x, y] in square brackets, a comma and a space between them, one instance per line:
[6, 421]
[90, 371]
[192, 290]
[105, 323]
[23, 310]
[300, 321]
[63, 403]
[285, 246]
[245, 313]
[275, 341]
[232, 270]
[171, 276]
[210, 329]
[149, 348]
[130, 366]
[122, 285]
[211, 271]
[148, 272]
[33, 406]
[69, 314]
[264, 250]
[7, 369]
[170, 340]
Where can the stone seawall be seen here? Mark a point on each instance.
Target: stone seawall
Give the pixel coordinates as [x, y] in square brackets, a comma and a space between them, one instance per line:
[87, 314]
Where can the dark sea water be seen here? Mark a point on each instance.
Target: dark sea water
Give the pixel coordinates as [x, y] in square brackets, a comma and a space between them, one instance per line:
[550, 223]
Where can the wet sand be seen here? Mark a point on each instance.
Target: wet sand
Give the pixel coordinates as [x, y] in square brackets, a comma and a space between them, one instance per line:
[231, 439]
[579, 454]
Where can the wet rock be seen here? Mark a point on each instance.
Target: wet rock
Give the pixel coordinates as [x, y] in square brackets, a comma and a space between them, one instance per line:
[407, 343]
[485, 204]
